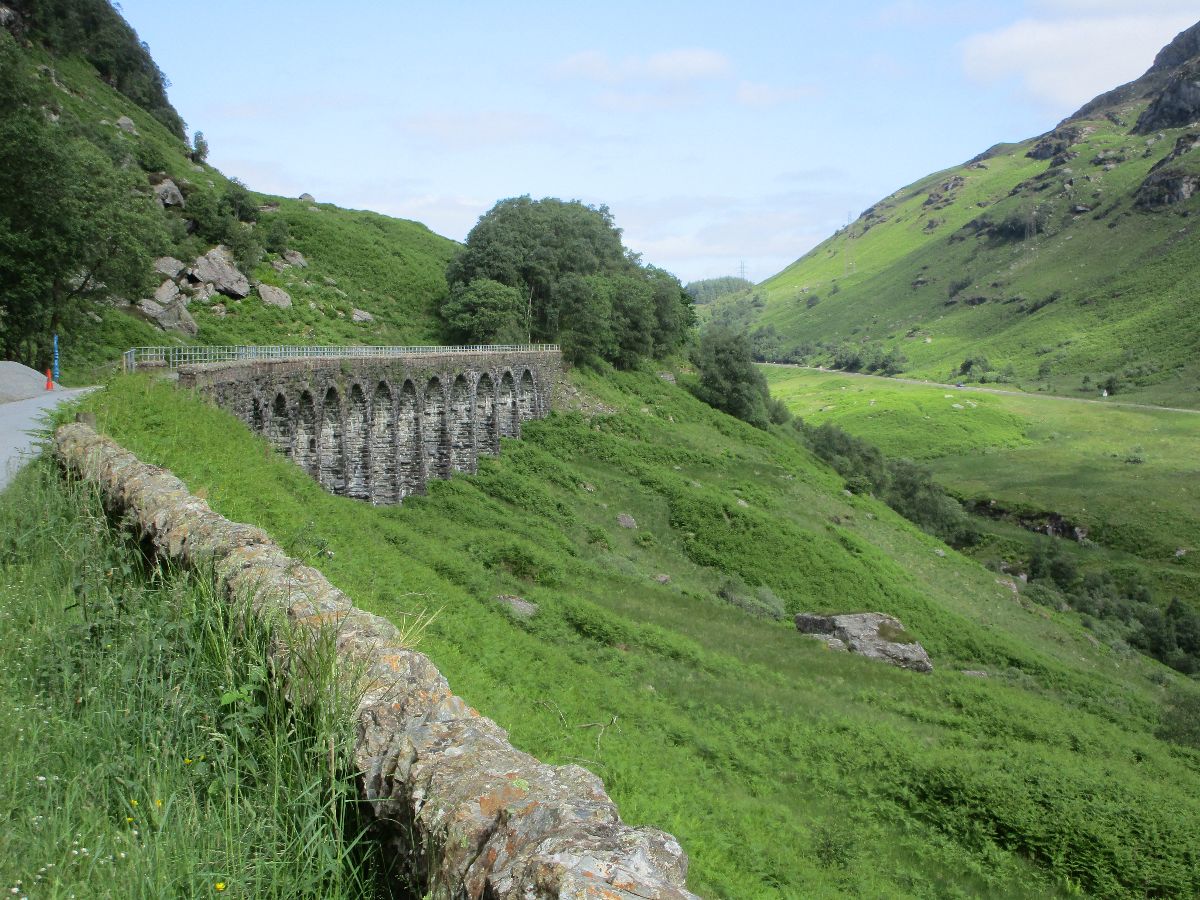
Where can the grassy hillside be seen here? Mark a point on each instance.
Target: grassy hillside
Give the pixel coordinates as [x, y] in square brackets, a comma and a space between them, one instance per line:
[392, 269]
[785, 769]
[1127, 477]
[1054, 273]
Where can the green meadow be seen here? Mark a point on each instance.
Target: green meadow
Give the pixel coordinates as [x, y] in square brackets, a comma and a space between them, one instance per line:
[1129, 476]
[785, 769]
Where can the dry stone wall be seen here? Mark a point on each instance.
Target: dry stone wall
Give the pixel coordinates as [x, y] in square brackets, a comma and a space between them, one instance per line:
[462, 811]
[429, 416]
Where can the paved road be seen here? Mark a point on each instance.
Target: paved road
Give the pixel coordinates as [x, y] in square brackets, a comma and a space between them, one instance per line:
[985, 390]
[17, 420]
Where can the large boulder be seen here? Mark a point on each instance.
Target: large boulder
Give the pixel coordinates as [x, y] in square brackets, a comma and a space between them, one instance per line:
[216, 268]
[361, 315]
[874, 635]
[273, 296]
[175, 317]
[172, 317]
[169, 266]
[168, 194]
[166, 293]
[294, 258]
[126, 125]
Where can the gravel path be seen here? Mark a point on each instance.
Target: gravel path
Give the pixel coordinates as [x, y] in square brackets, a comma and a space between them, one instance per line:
[17, 420]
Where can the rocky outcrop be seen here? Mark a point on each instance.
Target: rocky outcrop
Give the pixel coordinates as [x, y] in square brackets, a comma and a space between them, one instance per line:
[1055, 143]
[169, 266]
[216, 268]
[459, 808]
[273, 296]
[170, 317]
[1168, 182]
[1176, 105]
[166, 293]
[294, 258]
[126, 125]
[167, 193]
[518, 606]
[874, 635]
[361, 315]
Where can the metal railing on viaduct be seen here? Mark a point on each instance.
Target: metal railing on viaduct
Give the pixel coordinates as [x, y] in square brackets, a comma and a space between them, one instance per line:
[174, 357]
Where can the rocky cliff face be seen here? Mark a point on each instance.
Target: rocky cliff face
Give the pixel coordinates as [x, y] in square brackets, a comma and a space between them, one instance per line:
[1172, 84]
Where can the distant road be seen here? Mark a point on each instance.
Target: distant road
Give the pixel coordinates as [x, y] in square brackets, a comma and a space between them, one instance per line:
[17, 420]
[985, 390]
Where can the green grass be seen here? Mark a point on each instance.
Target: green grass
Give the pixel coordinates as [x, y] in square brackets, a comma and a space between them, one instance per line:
[145, 752]
[1129, 476]
[785, 769]
[1097, 293]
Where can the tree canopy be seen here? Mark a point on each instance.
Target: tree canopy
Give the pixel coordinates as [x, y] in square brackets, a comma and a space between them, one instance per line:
[73, 224]
[729, 379]
[569, 278]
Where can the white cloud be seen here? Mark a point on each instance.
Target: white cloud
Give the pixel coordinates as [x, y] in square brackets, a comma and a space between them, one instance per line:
[464, 131]
[764, 96]
[1092, 7]
[1064, 61]
[682, 65]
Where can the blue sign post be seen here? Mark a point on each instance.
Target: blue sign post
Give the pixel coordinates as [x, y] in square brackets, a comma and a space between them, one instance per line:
[56, 357]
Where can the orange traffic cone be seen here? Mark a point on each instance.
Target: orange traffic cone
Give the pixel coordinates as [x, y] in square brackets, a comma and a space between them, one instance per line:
[49, 381]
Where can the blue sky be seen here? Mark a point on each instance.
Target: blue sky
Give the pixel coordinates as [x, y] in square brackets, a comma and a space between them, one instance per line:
[717, 133]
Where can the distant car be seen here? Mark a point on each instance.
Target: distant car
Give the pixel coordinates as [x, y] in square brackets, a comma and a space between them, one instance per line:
[958, 384]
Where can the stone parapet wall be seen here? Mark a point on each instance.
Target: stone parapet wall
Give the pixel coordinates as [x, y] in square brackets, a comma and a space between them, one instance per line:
[457, 805]
[381, 428]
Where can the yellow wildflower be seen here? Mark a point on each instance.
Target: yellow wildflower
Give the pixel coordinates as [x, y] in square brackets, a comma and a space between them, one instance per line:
[220, 886]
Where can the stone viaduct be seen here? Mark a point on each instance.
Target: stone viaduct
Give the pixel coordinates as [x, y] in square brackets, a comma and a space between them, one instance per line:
[381, 428]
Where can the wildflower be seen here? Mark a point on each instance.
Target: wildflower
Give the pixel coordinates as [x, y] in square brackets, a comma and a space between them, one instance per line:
[128, 819]
[187, 761]
[158, 803]
[133, 803]
[220, 886]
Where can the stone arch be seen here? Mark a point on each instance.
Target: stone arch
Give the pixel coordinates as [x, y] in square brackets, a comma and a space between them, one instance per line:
[487, 440]
[357, 444]
[306, 433]
[280, 431]
[258, 415]
[526, 398]
[331, 456]
[381, 444]
[506, 406]
[434, 446]
[409, 448]
[460, 428]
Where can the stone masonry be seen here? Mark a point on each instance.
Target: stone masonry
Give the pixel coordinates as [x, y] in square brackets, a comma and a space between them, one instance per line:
[460, 809]
[380, 429]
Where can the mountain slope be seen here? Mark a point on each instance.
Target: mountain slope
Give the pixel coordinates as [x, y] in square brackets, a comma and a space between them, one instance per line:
[391, 269]
[1064, 262]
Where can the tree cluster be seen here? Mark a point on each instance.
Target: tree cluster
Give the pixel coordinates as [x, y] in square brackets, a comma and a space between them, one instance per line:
[906, 487]
[709, 289]
[1171, 634]
[554, 270]
[731, 382]
[74, 224]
